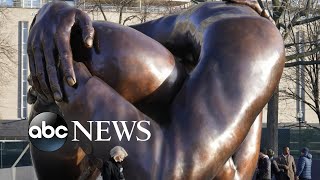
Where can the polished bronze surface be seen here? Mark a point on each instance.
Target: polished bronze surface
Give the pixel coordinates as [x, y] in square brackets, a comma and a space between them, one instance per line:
[243, 163]
[130, 57]
[204, 124]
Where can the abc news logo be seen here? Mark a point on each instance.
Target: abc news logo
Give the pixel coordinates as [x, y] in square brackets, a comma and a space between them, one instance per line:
[49, 131]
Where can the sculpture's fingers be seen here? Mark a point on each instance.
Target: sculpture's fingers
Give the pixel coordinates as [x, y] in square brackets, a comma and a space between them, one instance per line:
[255, 6]
[33, 81]
[251, 3]
[32, 69]
[40, 73]
[62, 40]
[266, 14]
[87, 29]
[52, 71]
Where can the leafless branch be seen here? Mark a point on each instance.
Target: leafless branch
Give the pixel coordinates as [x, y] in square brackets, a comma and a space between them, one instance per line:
[292, 64]
[305, 21]
[304, 54]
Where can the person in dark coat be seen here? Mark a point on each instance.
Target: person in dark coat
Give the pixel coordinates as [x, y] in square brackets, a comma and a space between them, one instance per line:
[275, 170]
[112, 168]
[264, 166]
[304, 165]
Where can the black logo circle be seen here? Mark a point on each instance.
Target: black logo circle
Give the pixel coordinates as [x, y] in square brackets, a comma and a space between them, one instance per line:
[48, 131]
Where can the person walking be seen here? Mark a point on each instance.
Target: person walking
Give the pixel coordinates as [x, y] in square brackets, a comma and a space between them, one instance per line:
[304, 165]
[112, 168]
[264, 166]
[275, 170]
[287, 164]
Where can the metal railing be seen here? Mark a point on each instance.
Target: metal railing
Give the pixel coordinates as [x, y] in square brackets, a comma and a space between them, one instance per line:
[15, 160]
[12, 151]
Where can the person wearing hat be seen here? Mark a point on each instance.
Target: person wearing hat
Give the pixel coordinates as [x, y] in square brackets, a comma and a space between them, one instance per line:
[112, 169]
[304, 165]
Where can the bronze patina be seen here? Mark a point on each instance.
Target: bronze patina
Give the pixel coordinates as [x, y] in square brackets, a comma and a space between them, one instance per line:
[201, 77]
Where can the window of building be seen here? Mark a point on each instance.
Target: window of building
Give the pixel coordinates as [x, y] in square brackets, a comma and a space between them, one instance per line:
[6, 3]
[31, 3]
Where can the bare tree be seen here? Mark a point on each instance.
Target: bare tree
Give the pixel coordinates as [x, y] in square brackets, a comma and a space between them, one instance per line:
[6, 52]
[300, 16]
[140, 10]
[150, 9]
[290, 16]
[122, 4]
[310, 68]
[96, 6]
[119, 6]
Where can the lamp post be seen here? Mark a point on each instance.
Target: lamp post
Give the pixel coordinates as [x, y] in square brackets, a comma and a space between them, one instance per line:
[299, 118]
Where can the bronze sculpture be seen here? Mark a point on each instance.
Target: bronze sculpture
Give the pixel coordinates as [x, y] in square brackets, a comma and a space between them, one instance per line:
[203, 122]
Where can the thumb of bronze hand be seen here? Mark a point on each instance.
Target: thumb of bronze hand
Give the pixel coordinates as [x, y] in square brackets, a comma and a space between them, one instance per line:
[31, 96]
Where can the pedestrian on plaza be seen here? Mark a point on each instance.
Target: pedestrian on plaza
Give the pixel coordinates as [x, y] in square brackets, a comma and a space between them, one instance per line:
[112, 169]
[287, 164]
[264, 166]
[304, 165]
[275, 170]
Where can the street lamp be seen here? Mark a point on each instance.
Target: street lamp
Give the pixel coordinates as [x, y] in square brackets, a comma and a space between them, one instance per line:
[299, 118]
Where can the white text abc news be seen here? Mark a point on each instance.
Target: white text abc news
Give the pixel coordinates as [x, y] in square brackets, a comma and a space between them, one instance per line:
[62, 131]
